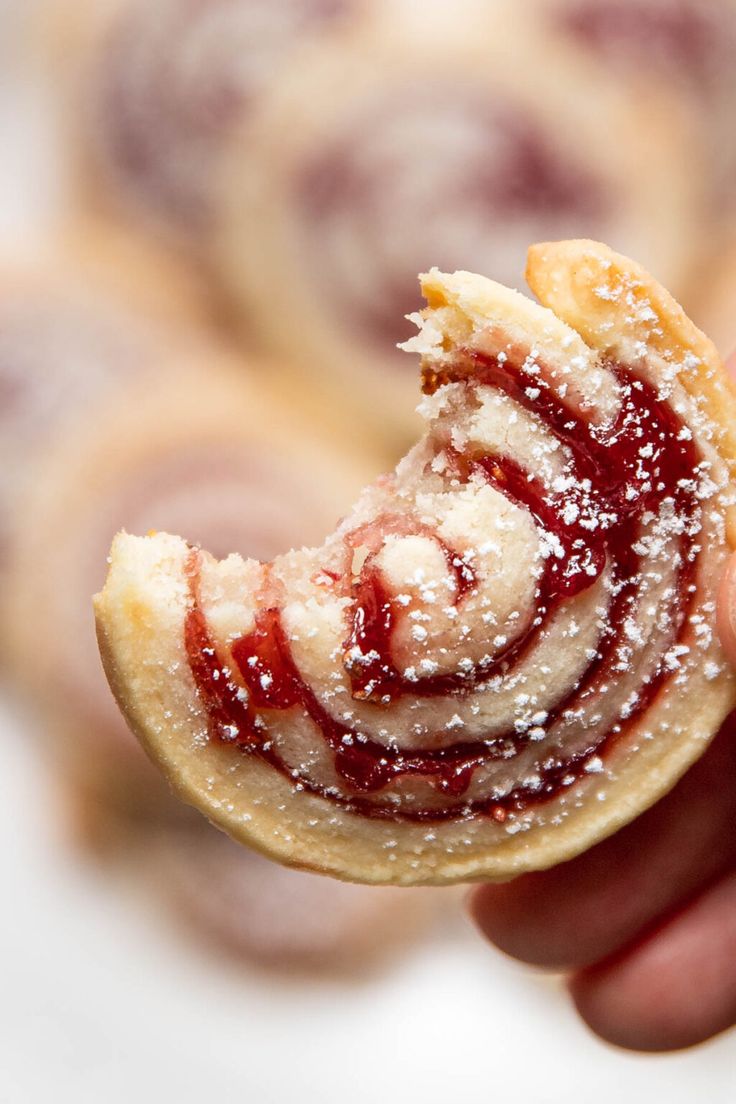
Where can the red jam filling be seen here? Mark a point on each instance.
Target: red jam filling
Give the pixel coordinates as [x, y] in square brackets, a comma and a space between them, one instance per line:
[611, 492]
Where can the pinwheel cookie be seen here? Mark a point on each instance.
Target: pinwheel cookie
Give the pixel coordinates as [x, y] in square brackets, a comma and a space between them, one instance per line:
[507, 649]
[411, 146]
[156, 90]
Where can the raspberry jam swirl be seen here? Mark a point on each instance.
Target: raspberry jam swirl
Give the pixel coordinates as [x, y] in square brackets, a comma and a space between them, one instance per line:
[174, 81]
[435, 169]
[503, 628]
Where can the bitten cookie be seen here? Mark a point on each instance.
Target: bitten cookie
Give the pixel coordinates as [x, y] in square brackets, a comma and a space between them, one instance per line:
[507, 650]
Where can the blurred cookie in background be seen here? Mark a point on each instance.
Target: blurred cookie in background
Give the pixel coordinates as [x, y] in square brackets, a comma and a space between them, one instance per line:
[716, 311]
[202, 449]
[156, 89]
[417, 145]
[255, 909]
[196, 449]
[78, 322]
[687, 46]
[314, 155]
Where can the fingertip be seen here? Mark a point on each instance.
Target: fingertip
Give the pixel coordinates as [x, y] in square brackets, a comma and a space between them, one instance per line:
[492, 911]
[616, 1013]
[520, 919]
[631, 1009]
[675, 988]
[495, 911]
[485, 909]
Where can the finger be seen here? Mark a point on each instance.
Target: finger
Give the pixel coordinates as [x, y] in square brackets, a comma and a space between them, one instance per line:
[584, 910]
[674, 989]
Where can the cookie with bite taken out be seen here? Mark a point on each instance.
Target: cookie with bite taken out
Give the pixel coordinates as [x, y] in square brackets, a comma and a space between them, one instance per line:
[507, 650]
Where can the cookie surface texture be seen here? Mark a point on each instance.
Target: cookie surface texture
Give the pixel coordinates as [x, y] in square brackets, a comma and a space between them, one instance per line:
[508, 649]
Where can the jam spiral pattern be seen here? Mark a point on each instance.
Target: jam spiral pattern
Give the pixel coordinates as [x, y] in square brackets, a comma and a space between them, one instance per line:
[508, 649]
[614, 509]
[177, 78]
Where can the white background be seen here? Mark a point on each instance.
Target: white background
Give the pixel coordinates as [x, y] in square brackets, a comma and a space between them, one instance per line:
[102, 1001]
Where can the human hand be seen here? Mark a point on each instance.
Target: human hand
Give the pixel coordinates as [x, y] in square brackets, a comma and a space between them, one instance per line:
[644, 924]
